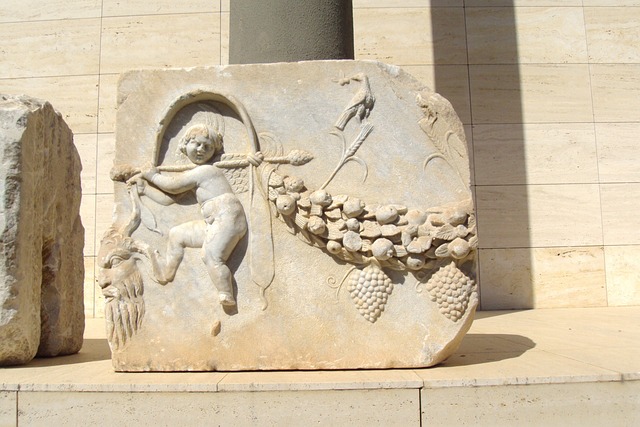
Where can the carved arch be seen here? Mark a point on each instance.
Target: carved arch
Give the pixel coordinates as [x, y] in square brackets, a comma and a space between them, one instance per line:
[201, 95]
[261, 258]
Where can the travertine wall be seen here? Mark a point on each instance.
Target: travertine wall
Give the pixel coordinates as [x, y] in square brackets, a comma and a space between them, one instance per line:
[549, 91]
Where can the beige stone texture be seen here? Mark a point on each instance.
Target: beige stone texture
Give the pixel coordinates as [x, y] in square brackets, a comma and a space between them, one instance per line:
[41, 307]
[539, 215]
[36, 10]
[89, 286]
[533, 405]
[361, 4]
[543, 35]
[224, 37]
[623, 275]
[87, 213]
[8, 408]
[515, 94]
[619, 204]
[521, 3]
[524, 278]
[107, 104]
[616, 92]
[617, 150]
[59, 47]
[86, 144]
[612, 34]
[147, 40]
[343, 407]
[305, 288]
[75, 96]
[562, 153]
[385, 39]
[158, 7]
[513, 367]
[611, 3]
[106, 154]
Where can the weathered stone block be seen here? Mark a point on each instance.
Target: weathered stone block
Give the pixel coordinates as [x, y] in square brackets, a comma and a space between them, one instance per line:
[312, 215]
[41, 235]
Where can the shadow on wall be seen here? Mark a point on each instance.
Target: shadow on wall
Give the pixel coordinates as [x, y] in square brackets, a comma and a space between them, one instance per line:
[496, 143]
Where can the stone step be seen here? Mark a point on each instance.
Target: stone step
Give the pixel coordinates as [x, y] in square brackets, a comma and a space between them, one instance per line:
[535, 367]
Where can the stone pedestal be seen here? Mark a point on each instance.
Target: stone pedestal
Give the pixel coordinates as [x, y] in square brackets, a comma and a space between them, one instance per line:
[41, 263]
[312, 215]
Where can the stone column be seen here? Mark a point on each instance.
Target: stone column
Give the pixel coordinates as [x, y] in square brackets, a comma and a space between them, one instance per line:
[290, 30]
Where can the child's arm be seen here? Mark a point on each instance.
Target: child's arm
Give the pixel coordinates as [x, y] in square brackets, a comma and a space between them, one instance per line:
[174, 184]
[155, 194]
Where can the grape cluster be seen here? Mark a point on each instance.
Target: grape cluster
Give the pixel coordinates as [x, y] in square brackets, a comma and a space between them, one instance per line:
[370, 288]
[450, 288]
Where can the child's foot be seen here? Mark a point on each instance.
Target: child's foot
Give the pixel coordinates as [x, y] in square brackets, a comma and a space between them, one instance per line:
[226, 299]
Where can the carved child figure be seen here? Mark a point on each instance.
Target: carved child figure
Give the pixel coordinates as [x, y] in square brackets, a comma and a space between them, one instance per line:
[224, 218]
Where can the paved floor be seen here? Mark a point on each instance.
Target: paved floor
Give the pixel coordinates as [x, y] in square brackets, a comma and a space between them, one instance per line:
[513, 368]
[502, 347]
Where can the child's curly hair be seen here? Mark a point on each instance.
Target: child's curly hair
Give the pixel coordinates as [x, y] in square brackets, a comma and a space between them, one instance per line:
[201, 130]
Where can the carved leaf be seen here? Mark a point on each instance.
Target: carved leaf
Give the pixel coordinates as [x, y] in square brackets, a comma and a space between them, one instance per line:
[442, 251]
[446, 232]
[473, 242]
[472, 223]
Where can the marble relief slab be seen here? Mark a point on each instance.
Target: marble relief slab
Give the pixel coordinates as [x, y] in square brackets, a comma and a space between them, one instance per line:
[312, 215]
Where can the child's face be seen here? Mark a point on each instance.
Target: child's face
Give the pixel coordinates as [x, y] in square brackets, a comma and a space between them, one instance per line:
[200, 149]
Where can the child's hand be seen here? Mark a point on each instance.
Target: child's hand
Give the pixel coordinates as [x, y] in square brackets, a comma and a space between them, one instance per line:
[148, 171]
[140, 184]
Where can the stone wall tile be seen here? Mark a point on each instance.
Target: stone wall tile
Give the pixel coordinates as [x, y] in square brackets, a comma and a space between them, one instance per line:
[144, 42]
[55, 48]
[612, 34]
[514, 216]
[504, 35]
[530, 93]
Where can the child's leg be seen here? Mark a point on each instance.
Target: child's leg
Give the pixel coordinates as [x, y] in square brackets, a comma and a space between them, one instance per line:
[221, 238]
[187, 235]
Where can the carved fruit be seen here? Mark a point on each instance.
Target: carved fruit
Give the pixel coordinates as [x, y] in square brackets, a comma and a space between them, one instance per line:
[320, 198]
[457, 217]
[334, 247]
[285, 204]
[382, 249]
[416, 217]
[386, 214]
[415, 261]
[353, 207]
[370, 230]
[316, 225]
[462, 231]
[459, 248]
[275, 180]
[352, 241]
[436, 219]
[390, 231]
[450, 288]
[353, 224]
[414, 247]
[370, 289]
[293, 184]
[299, 157]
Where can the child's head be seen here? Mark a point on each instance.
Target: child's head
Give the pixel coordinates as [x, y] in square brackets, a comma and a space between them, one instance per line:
[200, 143]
